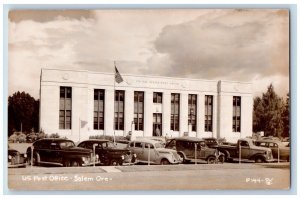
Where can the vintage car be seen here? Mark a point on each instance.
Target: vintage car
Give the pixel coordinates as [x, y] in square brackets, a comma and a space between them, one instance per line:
[16, 159]
[195, 149]
[153, 152]
[60, 152]
[279, 150]
[108, 152]
[246, 150]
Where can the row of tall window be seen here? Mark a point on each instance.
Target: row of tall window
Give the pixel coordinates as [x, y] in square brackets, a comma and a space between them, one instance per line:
[65, 111]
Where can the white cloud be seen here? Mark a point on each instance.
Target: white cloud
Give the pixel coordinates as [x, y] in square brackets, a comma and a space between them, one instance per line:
[212, 44]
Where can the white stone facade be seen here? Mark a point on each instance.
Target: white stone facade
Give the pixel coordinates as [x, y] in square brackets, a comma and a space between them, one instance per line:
[83, 84]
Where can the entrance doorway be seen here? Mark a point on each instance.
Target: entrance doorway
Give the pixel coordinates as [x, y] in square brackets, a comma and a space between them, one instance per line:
[157, 124]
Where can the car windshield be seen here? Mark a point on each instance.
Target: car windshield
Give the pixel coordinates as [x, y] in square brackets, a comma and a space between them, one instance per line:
[159, 145]
[66, 144]
[109, 145]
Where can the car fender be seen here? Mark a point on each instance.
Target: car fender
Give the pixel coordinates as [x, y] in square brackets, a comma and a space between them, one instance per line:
[38, 157]
[253, 157]
[182, 154]
[165, 156]
[225, 152]
[211, 156]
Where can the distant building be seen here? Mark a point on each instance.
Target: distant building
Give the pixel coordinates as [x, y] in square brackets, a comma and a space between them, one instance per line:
[78, 104]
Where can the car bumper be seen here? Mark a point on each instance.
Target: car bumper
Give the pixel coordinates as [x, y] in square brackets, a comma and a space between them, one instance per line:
[17, 165]
[91, 163]
[270, 160]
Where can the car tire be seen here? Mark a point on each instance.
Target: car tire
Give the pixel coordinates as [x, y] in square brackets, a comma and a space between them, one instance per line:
[182, 157]
[76, 163]
[67, 163]
[221, 159]
[259, 160]
[114, 162]
[211, 160]
[164, 162]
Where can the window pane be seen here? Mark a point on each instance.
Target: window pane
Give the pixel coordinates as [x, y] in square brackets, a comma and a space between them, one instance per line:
[62, 104]
[62, 92]
[96, 105]
[68, 104]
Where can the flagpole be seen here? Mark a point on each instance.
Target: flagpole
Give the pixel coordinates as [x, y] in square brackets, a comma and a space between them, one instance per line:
[114, 102]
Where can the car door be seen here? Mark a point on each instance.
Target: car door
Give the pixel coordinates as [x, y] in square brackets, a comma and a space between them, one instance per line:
[201, 150]
[138, 149]
[41, 149]
[245, 149]
[274, 147]
[54, 153]
[184, 147]
[150, 153]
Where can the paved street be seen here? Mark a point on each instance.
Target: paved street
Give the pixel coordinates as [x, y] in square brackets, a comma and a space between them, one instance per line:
[144, 177]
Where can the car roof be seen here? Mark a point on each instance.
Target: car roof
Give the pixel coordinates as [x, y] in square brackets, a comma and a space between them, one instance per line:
[209, 138]
[245, 139]
[189, 139]
[52, 139]
[274, 141]
[95, 140]
[146, 140]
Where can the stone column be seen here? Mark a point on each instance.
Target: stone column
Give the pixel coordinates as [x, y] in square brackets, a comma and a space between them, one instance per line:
[183, 121]
[109, 112]
[166, 114]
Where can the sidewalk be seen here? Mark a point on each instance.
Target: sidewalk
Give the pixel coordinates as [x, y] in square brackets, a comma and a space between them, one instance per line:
[140, 168]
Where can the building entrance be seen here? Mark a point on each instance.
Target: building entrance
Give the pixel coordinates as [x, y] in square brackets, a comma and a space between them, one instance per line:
[157, 124]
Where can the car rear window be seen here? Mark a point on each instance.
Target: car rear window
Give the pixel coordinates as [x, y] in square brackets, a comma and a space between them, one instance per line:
[66, 144]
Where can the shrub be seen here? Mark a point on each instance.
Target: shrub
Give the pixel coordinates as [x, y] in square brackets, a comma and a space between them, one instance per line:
[17, 137]
[54, 135]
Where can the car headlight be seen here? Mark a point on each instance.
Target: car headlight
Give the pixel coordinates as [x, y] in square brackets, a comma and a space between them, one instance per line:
[25, 155]
[134, 155]
[97, 156]
[10, 157]
[122, 157]
[83, 159]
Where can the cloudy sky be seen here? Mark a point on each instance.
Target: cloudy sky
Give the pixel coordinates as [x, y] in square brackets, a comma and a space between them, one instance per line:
[238, 45]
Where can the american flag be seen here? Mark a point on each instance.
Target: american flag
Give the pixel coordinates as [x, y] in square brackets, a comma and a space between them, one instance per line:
[83, 123]
[118, 76]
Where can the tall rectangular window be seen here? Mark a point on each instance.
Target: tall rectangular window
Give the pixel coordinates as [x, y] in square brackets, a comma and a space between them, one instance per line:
[65, 108]
[157, 98]
[208, 124]
[175, 111]
[192, 105]
[99, 109]
[236, 114]
[138, 111]
[119, 110]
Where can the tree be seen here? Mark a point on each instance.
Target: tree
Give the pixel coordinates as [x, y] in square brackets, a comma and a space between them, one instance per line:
[22, 113]
[258, 111]
[268, 113]
[286, 117]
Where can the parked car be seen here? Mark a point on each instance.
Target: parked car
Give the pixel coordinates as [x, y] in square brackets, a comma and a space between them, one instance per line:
[16, 159]
[108, 152]
[154, 151]
[275, 146]
[191, 148]
[60, 152]
[249, 151]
